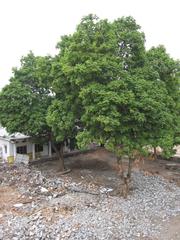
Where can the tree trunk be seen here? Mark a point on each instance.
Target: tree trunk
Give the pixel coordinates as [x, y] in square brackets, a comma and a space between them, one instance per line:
[125, 188]
[61, 158]
[59, 154]
[129, 167]
[155, 153]
[120, 166]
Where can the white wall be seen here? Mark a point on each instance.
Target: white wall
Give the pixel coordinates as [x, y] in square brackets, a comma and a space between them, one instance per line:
[11, 148]
[3, 143]
[45, 150]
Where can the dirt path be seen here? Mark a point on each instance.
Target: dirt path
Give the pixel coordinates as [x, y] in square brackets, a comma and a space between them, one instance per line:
[171, 229]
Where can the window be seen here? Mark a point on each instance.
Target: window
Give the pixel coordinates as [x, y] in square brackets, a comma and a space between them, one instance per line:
[22, 149]
[5, 148]
[38, 148]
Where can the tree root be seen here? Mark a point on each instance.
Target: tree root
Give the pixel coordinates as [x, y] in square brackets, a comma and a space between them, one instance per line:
[66, 171]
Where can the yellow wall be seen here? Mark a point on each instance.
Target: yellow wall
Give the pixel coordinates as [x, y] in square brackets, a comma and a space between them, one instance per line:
[10, 159]
[30, 155]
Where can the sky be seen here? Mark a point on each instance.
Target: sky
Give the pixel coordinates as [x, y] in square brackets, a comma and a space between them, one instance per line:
[38, 24]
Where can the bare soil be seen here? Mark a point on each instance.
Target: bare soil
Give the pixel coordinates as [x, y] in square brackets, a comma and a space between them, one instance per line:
[100, 168]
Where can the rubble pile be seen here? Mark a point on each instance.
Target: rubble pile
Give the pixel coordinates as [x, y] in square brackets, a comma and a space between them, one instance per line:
[42, 207]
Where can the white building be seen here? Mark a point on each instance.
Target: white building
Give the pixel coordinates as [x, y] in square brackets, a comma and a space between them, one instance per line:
[20, 148]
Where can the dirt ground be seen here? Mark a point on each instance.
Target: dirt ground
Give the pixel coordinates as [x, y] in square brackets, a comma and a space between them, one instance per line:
[99, 168]
[171, 229]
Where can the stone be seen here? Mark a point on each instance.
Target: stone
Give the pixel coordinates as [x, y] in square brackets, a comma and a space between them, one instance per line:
[44, 190]
[18, 205]
[80, 215]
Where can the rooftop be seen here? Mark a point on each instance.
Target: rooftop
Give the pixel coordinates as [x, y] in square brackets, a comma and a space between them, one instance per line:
[4, 134]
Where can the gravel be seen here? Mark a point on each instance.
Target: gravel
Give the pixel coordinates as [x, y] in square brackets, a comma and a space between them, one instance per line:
[59, 208]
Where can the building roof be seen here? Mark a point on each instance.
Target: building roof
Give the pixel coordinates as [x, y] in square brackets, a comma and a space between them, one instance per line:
[5, 135]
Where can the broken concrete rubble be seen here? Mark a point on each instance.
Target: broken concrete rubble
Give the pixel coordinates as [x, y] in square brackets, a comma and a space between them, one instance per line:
[64, 207]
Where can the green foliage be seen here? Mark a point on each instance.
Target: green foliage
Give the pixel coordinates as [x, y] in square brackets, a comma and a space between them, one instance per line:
[61, 119]
[103, 85]
[23, 111]
[123, 96]
[25, 100]
[35, 72]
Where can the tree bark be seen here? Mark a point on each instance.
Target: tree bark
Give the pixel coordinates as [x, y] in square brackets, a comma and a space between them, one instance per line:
[155, 153]
[120, 166]
[129, 167]
[61, 158]
[125, 189]
[59, 154]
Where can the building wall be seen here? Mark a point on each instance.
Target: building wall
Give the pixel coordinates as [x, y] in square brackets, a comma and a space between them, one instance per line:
[28, 144]
[43, 153]
[4, 151]
[11, 151]
[45, 150]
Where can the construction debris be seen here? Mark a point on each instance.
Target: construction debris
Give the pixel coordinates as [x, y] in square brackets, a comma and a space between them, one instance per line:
[39, 205]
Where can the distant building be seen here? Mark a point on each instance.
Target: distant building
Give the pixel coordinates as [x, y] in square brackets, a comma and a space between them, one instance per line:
[20, 148]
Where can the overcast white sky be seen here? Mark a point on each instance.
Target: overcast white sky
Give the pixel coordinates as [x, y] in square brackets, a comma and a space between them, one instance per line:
[38, 24]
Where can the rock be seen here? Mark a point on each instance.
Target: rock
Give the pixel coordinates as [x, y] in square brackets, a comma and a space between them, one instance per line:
[106, 190]
[15, 238]
[18, 205]
[61, 207]
[43, 190]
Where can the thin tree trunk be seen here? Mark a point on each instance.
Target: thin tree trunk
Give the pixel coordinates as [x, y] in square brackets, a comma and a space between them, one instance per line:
[125, 188]
[59, 154]
[61, 158]
[127, 179]
[155, 153]
[129, 167]
[120, 166]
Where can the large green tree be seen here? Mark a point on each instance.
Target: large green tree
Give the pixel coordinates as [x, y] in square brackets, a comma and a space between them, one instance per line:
[102, 85]
[111, 86]
[163, 71]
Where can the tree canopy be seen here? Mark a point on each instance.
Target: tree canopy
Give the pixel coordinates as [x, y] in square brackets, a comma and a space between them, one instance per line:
[102, 86]
[25, 100]
[122, 94]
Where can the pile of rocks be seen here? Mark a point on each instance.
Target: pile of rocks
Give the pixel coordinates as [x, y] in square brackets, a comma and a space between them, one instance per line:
[60, 208]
